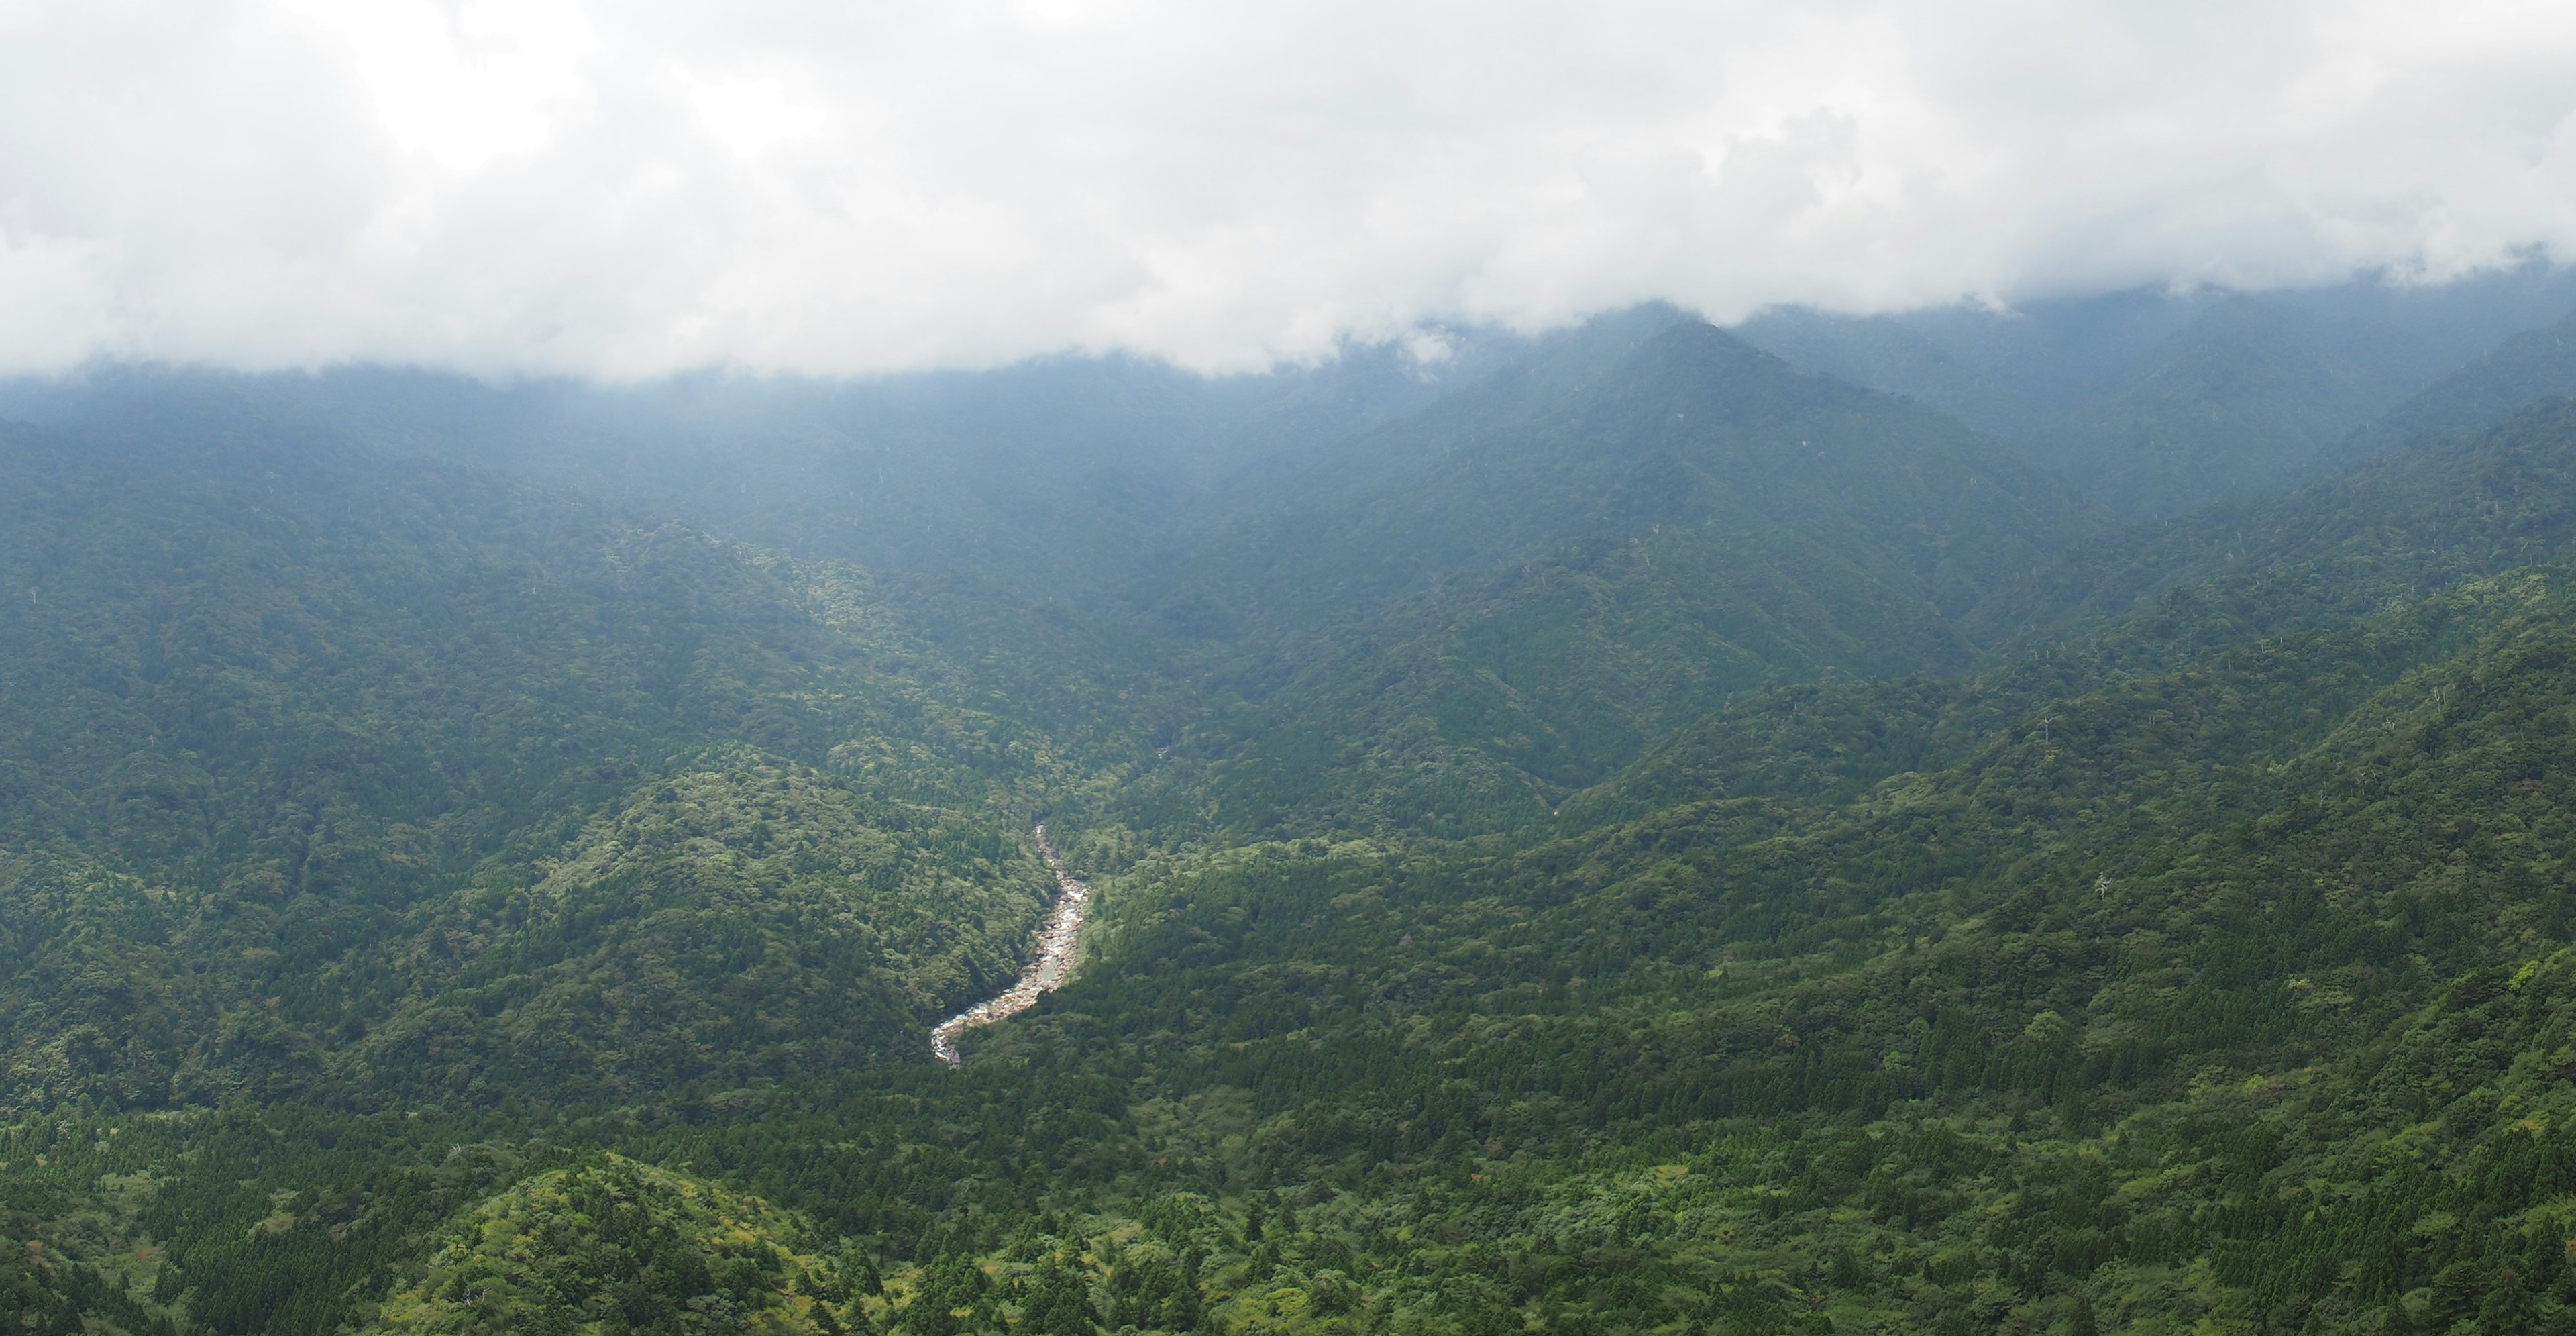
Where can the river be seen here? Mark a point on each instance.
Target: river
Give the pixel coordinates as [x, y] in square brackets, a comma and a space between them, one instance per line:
[1056, 942]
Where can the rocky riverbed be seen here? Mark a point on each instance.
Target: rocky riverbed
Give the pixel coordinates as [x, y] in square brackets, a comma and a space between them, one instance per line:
[1056, 943]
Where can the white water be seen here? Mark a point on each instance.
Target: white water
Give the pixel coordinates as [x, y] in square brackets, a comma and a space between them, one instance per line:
[1054, 959]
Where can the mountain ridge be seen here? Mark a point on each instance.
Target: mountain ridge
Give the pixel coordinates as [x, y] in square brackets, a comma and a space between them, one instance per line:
[1589, 864]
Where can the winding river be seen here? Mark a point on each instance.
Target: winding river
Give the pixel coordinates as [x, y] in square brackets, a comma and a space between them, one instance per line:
[1054, 960]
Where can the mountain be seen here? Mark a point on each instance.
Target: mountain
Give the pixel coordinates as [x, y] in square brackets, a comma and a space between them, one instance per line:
[2157, 402]
[2231, 405]
[2399, 525]
[1889, 354]
[2522, 371]
[307, 745]
[1055, 478]
[1691, 427]
[2182, 995]
[1512, 593]
[1638, 838]
[2173, 993]
[749, 919]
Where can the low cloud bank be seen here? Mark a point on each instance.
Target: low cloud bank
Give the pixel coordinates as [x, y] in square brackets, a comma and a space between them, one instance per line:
[628, 190]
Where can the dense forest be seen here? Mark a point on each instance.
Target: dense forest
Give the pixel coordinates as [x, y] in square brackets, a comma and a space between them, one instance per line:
[1620, 831]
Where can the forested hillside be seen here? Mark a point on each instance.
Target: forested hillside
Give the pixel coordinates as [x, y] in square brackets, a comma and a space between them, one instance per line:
[2524, 370]
[1458, 618]
[302, 743]
[1056, 479]
[2159, 401]
[2399, 525]
[1636, 838]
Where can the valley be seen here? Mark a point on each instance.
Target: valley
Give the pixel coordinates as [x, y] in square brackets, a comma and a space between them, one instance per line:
[1619, 831]
[1058, 945]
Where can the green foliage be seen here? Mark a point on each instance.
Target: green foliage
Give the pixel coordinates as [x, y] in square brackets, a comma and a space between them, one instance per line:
[616, 1247]
[722, 925]
[2065, 1030]
[2234, 404]
[432, 905]
[60, 1263]
[2397, 527]
[2529, 368]
[1465, 616]
[287, 728]
[2159, 400]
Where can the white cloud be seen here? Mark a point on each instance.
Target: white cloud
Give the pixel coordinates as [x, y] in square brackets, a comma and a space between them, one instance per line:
[627, 189]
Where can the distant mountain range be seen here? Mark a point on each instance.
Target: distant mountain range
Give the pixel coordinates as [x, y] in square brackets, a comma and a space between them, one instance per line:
[2157, 402]
[2051, 821]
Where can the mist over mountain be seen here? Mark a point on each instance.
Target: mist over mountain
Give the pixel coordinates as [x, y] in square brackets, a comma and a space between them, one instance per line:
[1547, 572]
[1052, 476]
[1087, 668]
[2049, 820]
[2158, 401]
[2523, 370]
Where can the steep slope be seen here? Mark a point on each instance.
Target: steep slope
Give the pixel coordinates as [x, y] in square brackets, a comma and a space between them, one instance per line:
[270, 709]
[386, 848]
[2131, 1015]
[1054, 479]
[737, 920]
[1888, 354]
[2232, 405]
[2526, 369]
[2126, 984]
[2158, 401]
[1694, 427]
[2400, 525]
[1473, 611]
[2034, 363]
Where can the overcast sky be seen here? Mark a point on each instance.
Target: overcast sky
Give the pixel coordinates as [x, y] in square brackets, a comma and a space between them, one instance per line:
[633, 188]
